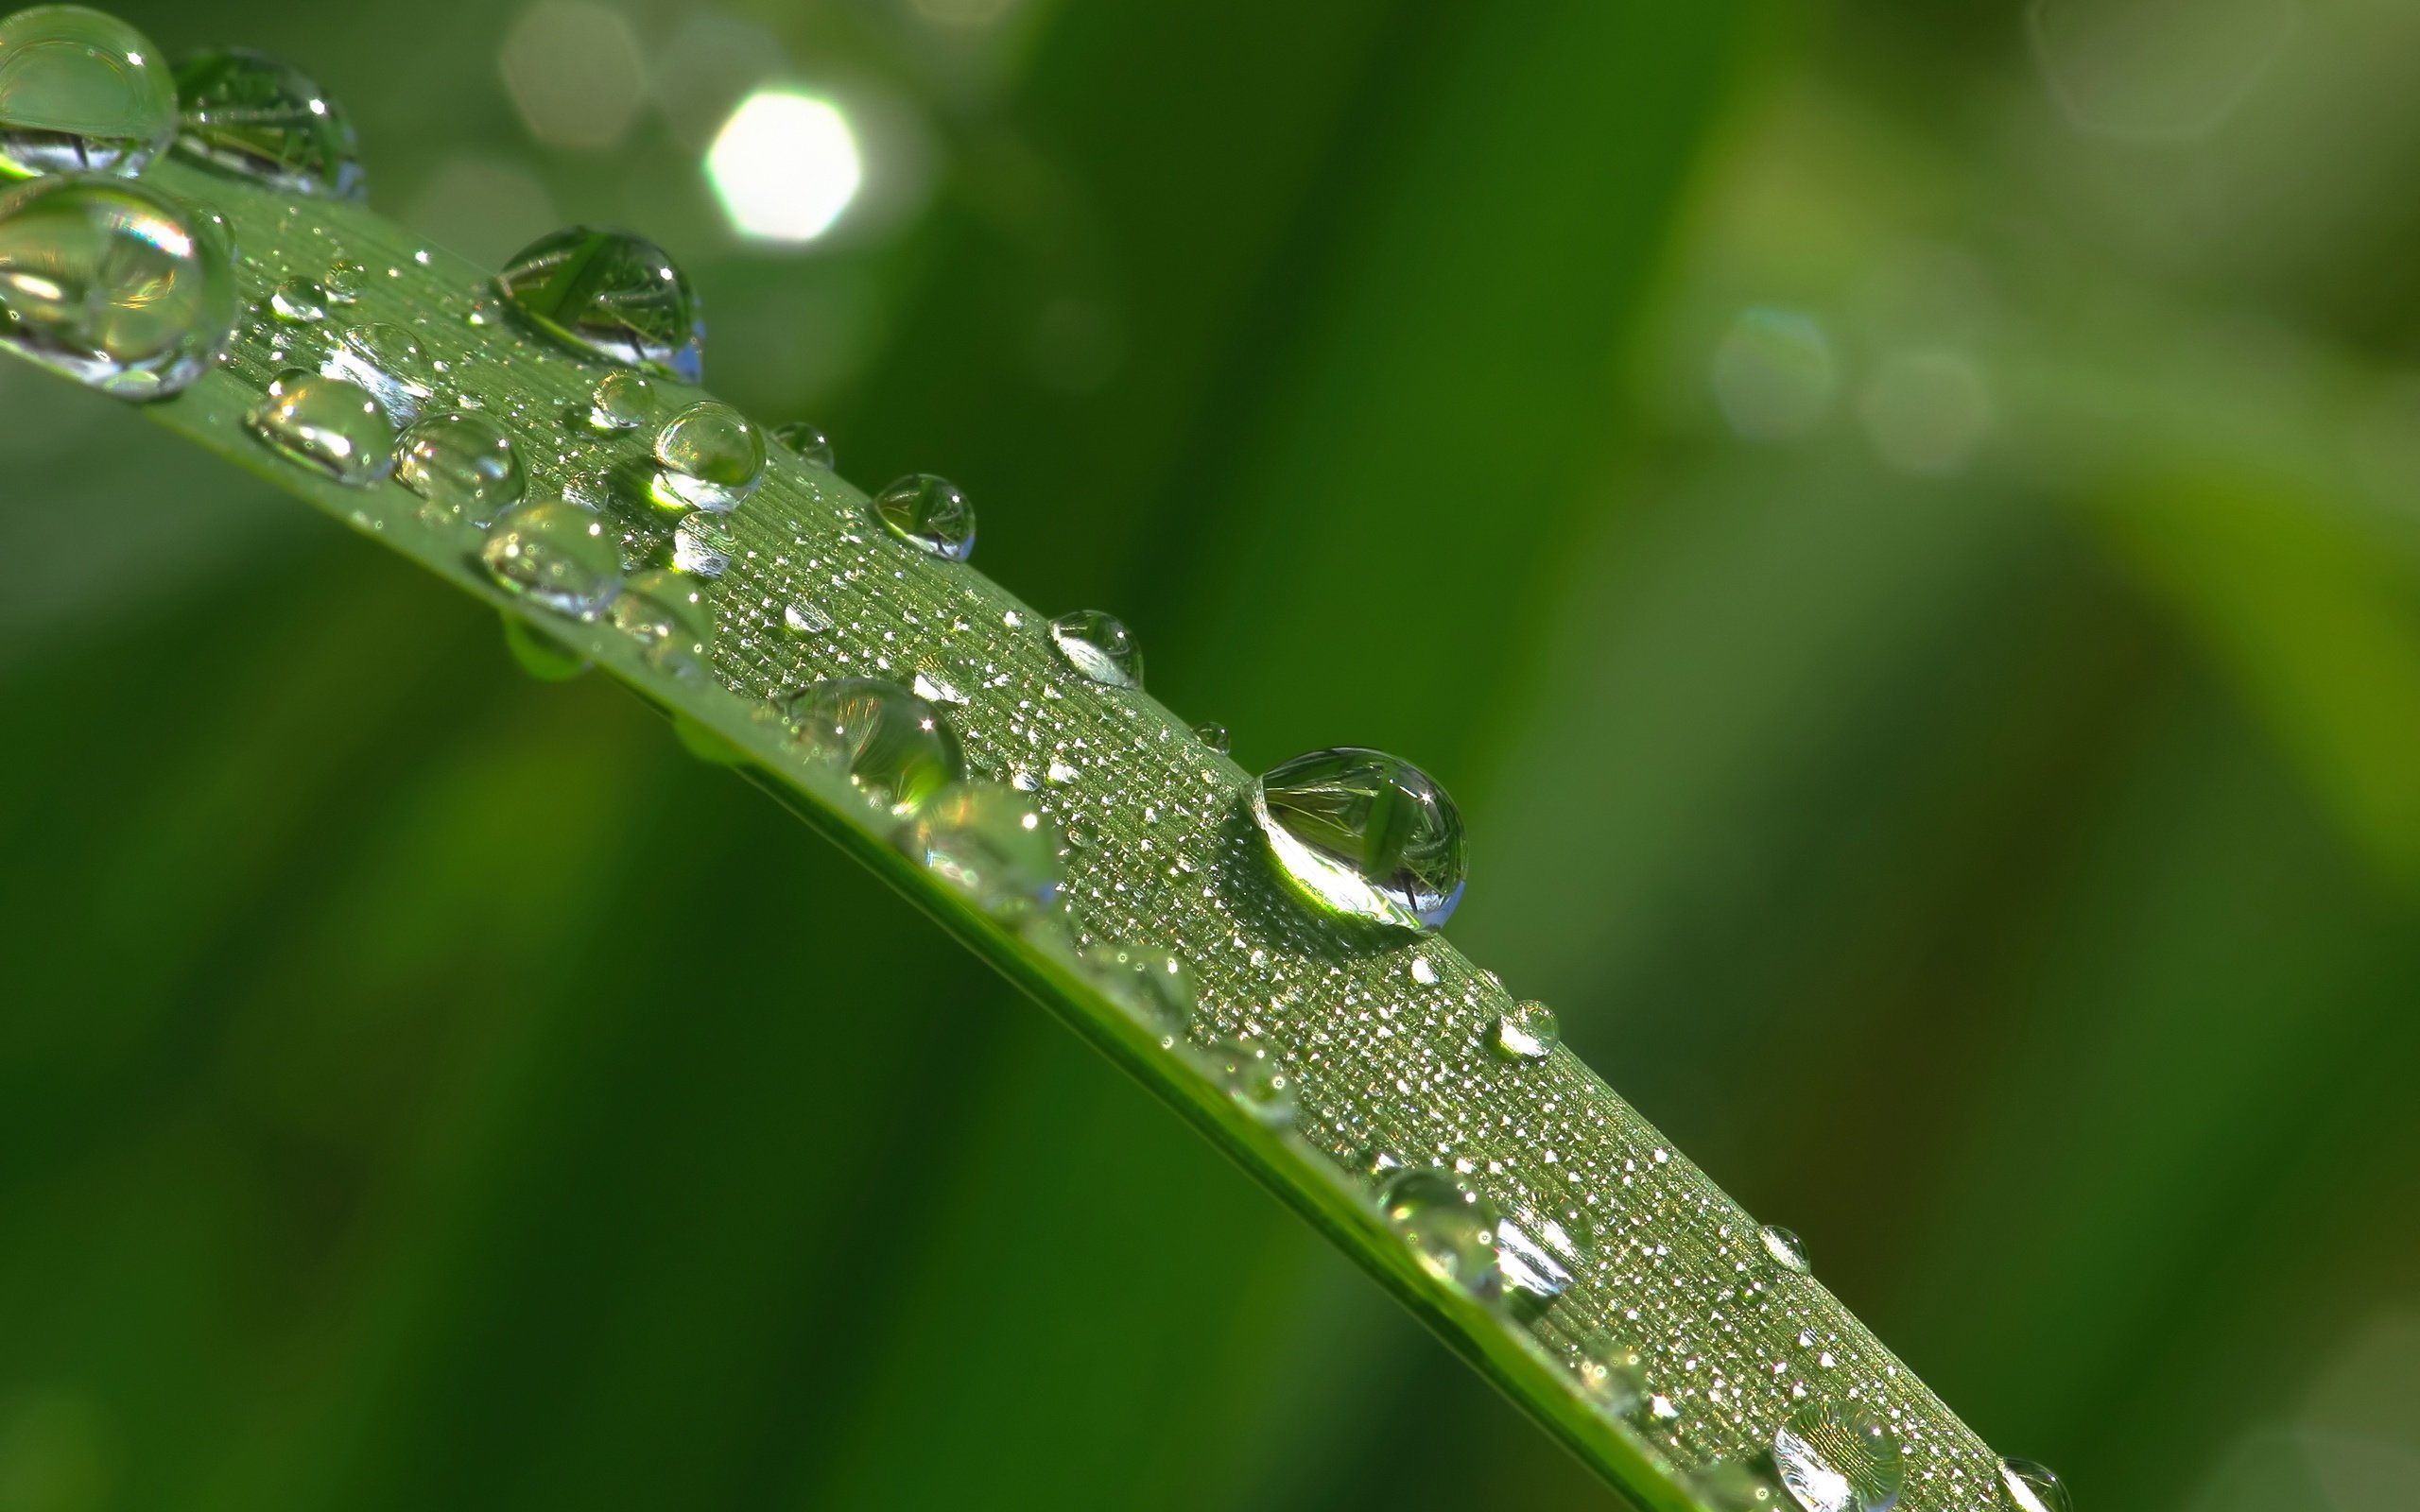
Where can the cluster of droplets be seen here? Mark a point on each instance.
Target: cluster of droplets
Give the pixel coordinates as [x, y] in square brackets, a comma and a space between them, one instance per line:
[130, 290]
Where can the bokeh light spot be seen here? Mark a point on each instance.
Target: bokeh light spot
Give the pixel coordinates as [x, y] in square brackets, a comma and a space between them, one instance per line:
[574, 72]
[1775, 375]
[785, 166]
[2156, 70]
[1926, 412]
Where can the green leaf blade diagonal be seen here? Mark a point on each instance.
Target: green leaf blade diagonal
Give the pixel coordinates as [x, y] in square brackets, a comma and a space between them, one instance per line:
[1382, 1035]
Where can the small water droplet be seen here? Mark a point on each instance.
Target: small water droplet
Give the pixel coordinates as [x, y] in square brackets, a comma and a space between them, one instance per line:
[463, 464]
[1527, 1031]
[712, 458]
[1451, 1229]
[327, 424]
[991, 843]
[386, 359]
[623, 400]
[1156, 987]
[1364, 833]
[1215, 736]
[809, 444]
[1609, 1375]
[80, 92]
[114, 283]
[1098, 646]
[1255, 1079]
[702, 544]
[895, 747]
[928, 513]
[1741, 1486]
[1787, 1251]
[1838, 1457]
[344, 280]
[667, 613]
[558, 556]
[2030, 1488]
[252, 116]
[539, 654]
[803, 618]
[611, 294]
[299, 299]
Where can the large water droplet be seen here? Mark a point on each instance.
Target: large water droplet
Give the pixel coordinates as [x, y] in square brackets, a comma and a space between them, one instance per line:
[1101, 648]
[702, 545]
[300, 300]
[1787, 1251]
[809, 444]
[327, 424]
[1217, 737]
[1527, 1031]
[928, 513]
[1364, 833]
[80, 92]
[667, 613]
[1838, 1457]
[623, 400]
[894, 747]
[611, 295]
[557, 554]
[1740, 1486]
[385, 359]
[253, 116]
[344, 280]
[1451, 1230]
[991, 843]
[2030, 1488]
[1254, 1080]
[1156, 987]
[463, 464]
[712, 456]
[803, 618]
[114, 283]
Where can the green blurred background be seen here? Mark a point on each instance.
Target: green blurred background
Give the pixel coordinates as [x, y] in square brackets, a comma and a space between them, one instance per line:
[1900, 524]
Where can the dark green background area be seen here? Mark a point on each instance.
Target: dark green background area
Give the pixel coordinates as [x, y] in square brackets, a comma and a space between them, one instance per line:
[420, 1087]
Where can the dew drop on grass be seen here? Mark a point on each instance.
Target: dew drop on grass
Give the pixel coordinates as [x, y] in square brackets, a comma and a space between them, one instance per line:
[609, 294]
[81, 91]
[712, 457]
[701, 546]
[327, 424]
[807, 443]
[928, 513]
[623, 400]
[300, 300]
[894, 748]
[250, 115]
[539, 654]
[2026, 1486]
[1838, 1457]
[1749, 1485]
[463, 464]
[115, 283]
[1365, 834]
[1609, 1375]
[1156, 988]
[1451, 1230]
[1215, 736]
[385, 359]
[1252, 1078]
[558, 556]
[667, 613]
[991, 843]
[1527, 1031]
[1787, 1249]
[344, 280]
[1101, 648]
[803, 618]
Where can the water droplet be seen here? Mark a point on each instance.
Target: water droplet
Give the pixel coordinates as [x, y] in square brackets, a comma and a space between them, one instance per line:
[1787, 1251]
[114, 283]
[809, 444]
[701, 544]
[1253, 1079]
[253, 116]
[1216, 737]
[1098, 646]
[895, 747]
[1366, 834]
[623, 400]
[539, 654]
[557, 554]
[299, 299]
[1741, 1486]
[80, 92]
[1527, 1031]
[712, 456]
[1156, 987]
[344, 280]
[610, 295]
[463, 464]
[929, 515]
[385, 359]
[1836, 1457]
[1609, 1375]
[327, 424]
[667, 613]
[708, 743]
[2032, 1487]
[803, 618]
[1451, 1230]
[991, 843]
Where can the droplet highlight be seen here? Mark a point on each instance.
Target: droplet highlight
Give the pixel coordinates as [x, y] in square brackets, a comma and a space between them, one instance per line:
[1527, 1031]
[1838, 1457]
[385, 359]
[928, 513]
[555, 554]
[1099, 646]
[711, 458]
[114, 283]
[326, 425]
[701, 544]
[991, 843]
[1787, 1249]
[1365, 834]
[807, 443]
[894, 748]
[80, 92]
[610, 295]
[2026, 1486]
[250, 114]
